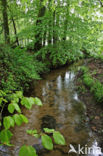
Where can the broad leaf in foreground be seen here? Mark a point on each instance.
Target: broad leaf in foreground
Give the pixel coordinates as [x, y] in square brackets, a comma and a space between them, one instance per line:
[47, 142]
[58, 138]
[27, 151]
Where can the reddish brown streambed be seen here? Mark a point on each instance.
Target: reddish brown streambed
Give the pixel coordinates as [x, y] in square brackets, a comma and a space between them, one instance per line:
[61, 110]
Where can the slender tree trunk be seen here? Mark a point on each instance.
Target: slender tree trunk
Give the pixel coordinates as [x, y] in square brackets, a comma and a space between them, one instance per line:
[66, 23]
[44, 38]
[55, 37]
[54, 33]
[50, 35]
[5, 21]
[15, 31]
[65, 30]
[38, 36]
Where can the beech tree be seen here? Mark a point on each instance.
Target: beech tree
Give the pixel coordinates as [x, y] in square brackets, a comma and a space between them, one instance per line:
[5, 21]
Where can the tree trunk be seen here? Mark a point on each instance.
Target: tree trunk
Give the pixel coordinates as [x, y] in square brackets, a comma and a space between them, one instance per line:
[5, 21]
[66, 22]
[55, 23]
[15, 31]
[38, 36]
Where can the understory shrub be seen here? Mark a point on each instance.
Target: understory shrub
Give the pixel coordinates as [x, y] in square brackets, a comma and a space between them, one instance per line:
[95, 85]
[18, 68]
[60, 53]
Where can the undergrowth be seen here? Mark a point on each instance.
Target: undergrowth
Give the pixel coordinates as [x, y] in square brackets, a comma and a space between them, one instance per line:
[59, 54]
[93, 84]
[18, 68]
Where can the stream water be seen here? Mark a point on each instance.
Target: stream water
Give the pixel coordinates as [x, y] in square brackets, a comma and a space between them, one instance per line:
[61, 110]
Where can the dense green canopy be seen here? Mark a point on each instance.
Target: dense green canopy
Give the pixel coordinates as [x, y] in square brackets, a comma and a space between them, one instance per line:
[37, 23]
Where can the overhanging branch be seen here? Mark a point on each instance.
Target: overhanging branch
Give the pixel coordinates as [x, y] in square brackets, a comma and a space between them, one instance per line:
[101, 3]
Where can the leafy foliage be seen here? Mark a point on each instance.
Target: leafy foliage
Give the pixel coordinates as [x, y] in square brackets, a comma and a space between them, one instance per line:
[13, 101]
[27, 150]
[47, 142]
[46, 139]
[95, 86]
[18, 68]
[5, 136]
[58, 138]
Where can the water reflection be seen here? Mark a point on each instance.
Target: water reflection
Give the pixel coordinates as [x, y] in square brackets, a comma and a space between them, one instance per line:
[59, 82]
[68, 78]
[76, 96]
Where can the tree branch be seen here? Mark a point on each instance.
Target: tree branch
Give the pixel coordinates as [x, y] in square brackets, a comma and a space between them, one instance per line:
[101, 3]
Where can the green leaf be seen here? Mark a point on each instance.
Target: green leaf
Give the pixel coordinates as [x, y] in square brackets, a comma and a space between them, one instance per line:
[58, 138]
[31, 100]
[38, 101]
[27, 151]
[18, 120]
[5, 136]
[47, 142]
[11, 120]
[8, 122]
[31, 132]
[36, 136]
[47, 130]
[17, 108]
[19, 94]
[11, 108]
[24, 118]
[26, 102]
[1, 100]
[14, 97]
[14, 106]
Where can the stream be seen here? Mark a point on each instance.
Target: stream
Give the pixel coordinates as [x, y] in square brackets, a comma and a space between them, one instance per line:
[61, 110]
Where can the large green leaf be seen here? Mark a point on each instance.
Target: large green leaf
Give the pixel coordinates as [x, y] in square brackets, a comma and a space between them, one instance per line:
[14, 106]
[5, 136]
[24, 118]
[27, 151]
[11, 108]
[38, 101]
[58, 138]
[26, 102]
[47, 142]
[8, 122]
[18, 120]
[17, 108]
[31, 100]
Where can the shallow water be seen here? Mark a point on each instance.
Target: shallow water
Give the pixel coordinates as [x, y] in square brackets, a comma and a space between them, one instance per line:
[61, 110]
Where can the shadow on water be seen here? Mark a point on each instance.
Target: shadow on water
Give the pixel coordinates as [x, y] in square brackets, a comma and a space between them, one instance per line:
[62, 110]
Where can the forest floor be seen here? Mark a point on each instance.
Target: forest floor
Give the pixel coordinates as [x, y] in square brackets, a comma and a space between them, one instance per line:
[94, 109]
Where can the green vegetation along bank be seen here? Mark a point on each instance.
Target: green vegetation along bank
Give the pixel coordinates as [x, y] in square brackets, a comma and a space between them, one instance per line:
[90, 88]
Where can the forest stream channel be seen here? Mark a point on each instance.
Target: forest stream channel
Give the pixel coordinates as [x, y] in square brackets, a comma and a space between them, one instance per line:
[62, 110]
